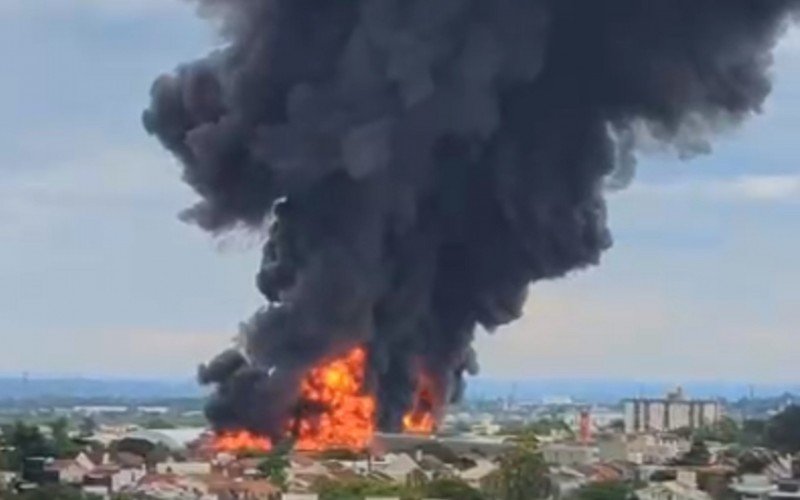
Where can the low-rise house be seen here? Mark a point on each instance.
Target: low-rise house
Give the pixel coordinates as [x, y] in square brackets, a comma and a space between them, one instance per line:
[224, 488]
[565, 481]
[684, 487]
[569, 454]
[183, 468]
[304, 473]
[599, 473]
[485, 428]
[170, 486]
[753, 487]
[69, 471]
[613, 447]
[641, 448]
[399, 467]
[127, 460]
[436, 468]
[478, 475]
[787, 489]
[114, 478]
[7, 478]
[628, 471]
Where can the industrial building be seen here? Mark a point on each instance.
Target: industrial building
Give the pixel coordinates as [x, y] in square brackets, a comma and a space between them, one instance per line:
[670, 413]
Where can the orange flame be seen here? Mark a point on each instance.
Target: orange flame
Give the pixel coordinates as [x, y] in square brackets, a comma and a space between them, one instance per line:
[241, 441]
[335, 411]
[347, 416]
[420, 418]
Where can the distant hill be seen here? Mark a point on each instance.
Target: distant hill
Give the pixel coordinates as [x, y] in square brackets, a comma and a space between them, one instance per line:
[613, 391]
[595, 391]
[87, 388]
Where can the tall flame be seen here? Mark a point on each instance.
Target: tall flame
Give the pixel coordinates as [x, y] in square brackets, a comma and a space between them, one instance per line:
[241, 441]
[346, 416]
[334, 411]
[420, 419]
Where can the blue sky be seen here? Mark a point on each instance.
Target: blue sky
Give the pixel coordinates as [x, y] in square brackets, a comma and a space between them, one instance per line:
[97, 275]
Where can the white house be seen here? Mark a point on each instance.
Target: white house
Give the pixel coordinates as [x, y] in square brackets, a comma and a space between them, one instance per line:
[753, 487]
[569, 454]
[683, 488]
[474, 476]
[183, 468]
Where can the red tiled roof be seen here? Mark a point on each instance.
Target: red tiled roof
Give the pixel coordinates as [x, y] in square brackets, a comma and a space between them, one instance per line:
[158, 478]
[60, 464]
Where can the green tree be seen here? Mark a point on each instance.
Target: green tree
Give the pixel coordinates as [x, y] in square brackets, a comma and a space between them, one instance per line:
[87, 427]
[542, 427]
[358, 488]
[451, 489]
[716, 483]
[23, 441]
[157, 454]
[753, 433]
[158, 423]
[63, 446]
[522, 476]
[782, 432]
[697, 455]
[525, 437]
[274, 467]
[752, 463]
[724, 431]
[611, 490]
[50, 492]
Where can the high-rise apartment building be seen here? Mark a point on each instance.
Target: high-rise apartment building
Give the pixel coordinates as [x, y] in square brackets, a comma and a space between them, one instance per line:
[669, 414]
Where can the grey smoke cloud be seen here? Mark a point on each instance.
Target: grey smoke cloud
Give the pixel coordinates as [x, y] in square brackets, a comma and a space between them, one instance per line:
[422, 163]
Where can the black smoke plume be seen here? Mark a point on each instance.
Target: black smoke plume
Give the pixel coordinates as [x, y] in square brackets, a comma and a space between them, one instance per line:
[422, 162]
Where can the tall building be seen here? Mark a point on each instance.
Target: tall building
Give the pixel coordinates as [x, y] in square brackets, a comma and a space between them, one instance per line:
[669, 414]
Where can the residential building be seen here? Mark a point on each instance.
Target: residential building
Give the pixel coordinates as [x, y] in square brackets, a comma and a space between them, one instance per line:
[477, 476]
[670, 413]
[485, 428]
[684, 487]
[183, 468]
[753, 487]
[566, 481]
[7, 478]
[569, 454]
[641, 448]
[787, 489]
[69, 471]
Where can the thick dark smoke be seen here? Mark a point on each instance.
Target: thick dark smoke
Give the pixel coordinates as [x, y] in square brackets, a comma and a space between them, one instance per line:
[422, 162]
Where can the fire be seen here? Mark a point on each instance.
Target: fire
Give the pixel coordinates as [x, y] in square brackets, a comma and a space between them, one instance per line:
[346, 415]
[333, 412]
[241, 441]
[420, 418]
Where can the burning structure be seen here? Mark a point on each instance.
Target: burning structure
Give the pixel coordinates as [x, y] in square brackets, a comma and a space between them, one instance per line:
[420, 163]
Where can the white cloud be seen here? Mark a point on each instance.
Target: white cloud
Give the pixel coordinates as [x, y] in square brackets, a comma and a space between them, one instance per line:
[127, 8]
[581, 328]
[766, 188]
[569, 330]
[82, 169]
[115, 353]
[790, 44]
[780, 188]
